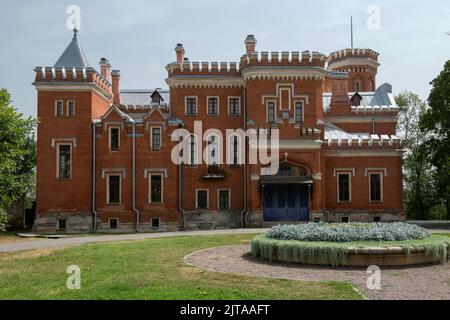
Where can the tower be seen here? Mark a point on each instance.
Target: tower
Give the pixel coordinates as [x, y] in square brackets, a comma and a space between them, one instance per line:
[361, 66]
[70, 94]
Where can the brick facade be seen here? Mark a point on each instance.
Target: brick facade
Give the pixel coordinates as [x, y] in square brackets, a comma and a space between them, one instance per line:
[322, 133]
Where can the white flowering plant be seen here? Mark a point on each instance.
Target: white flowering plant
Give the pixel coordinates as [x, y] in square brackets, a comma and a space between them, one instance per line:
[348, 232]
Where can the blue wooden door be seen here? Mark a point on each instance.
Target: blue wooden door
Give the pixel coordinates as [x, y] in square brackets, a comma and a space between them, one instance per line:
[286, 203]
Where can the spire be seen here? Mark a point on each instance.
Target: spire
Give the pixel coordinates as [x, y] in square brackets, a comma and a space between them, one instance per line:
[74, 55]
[351, 30]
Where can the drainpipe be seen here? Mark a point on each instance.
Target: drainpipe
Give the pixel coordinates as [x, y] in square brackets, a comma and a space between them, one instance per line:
[136, 211]
[244, 211]
[180, 197]
[180, 194]
[94, 213]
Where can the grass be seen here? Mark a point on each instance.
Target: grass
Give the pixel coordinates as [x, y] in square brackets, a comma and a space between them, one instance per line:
[147, 269]
[334, 253]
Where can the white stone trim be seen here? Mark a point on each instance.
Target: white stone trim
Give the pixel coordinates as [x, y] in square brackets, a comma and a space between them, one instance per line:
[121, 171]
[151, 127]
[228, 105]
[384, 170]
[110, 127]
[336, 170]
[156, 170]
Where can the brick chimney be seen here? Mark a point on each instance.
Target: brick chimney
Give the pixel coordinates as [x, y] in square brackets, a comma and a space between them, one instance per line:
[339, 90]
[180, 52]
[250, 44]
[115, 75]
[105, 68]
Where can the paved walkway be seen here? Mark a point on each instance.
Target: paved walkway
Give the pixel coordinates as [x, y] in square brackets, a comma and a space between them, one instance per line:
[405, 283]
[75, 241]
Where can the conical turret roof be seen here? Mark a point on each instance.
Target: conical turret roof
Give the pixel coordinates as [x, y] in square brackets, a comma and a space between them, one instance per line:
[73, 56]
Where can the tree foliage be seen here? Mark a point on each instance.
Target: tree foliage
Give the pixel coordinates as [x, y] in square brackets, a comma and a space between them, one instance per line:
[17, 153]
[436, 122]
[419, 194]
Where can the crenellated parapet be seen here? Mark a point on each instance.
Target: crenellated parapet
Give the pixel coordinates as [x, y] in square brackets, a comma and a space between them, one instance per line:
[203, 68]
[62, 75]
[353, 53]
[284, 58]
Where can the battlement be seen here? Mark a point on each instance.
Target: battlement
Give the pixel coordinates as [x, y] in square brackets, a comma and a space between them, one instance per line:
[353, 53]
[61, 74]
[284, 58]
[203, 68]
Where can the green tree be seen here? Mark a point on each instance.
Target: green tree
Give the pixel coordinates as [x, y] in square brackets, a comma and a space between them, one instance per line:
[436, 122]
[17, 153]
[419, 195]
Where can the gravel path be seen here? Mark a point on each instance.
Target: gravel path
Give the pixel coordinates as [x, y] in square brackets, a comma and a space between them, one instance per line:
[427, 282]
[67, 242]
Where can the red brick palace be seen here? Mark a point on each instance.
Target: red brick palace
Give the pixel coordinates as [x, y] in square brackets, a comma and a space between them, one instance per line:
[104, 153]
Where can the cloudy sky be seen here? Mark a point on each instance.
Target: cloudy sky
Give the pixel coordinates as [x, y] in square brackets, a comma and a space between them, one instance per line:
[138, 36]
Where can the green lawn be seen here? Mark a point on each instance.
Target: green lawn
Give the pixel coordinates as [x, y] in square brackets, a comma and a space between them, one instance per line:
[148, 269]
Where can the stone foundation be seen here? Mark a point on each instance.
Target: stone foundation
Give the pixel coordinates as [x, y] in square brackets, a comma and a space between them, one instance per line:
[212, 220]
[363, 216]
[81, 222]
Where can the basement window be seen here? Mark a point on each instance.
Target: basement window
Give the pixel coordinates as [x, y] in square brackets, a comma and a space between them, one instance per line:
[114, 223]
[62, 224]
[376, 219]
[345, 219]
[155, 223]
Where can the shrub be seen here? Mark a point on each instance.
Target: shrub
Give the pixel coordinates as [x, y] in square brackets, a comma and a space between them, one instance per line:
[335, 253]
[3, 220]
[346, 232]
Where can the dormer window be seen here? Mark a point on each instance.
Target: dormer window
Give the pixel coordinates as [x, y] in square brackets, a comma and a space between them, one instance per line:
[356, 99]
[156, 98]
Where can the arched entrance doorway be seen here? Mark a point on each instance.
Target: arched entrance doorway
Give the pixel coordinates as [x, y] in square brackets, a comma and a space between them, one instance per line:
[286, 194]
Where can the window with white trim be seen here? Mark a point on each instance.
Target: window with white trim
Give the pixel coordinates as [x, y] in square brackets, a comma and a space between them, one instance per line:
[156, 138]
[192, 150]
[191, 105]
[59, 108]
[344, 188]
[234, 107]
[298, 112]
[234, 150]
[114, 138]
[213, 105]
[271, 112]
[223, 199]
[71, 108]
[213, 150]
[156, 188]
[201, 199]
[64, 161]
[376, 187]
[113, 189]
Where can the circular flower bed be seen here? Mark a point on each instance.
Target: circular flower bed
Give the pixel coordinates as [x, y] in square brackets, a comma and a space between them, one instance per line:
[355, 245]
